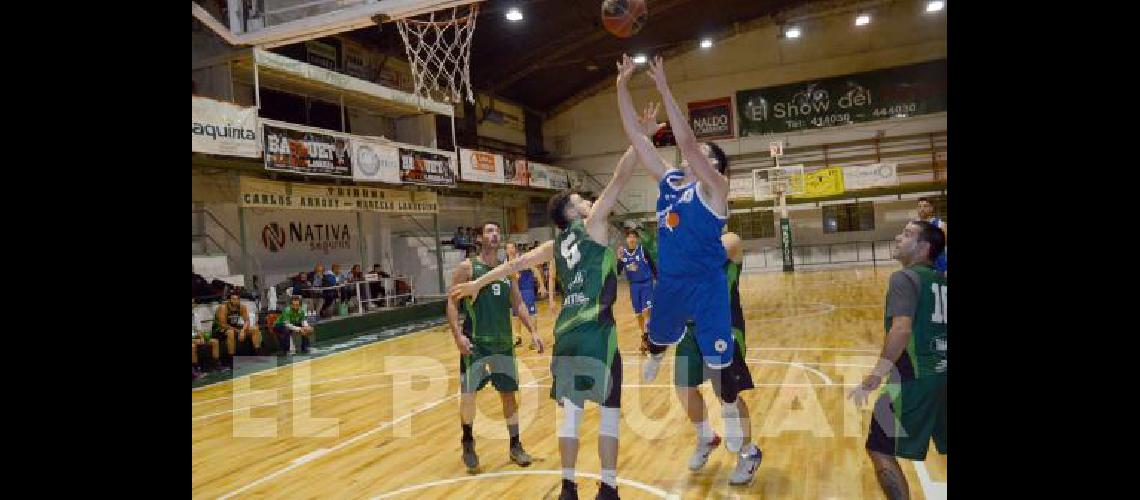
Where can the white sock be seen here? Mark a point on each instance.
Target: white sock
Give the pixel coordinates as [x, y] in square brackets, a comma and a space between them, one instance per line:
[733, 427]
[704, 431]
[568, 474]
[609, 476]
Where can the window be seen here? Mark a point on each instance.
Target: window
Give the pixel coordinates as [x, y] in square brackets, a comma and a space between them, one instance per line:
[849, 217]
[751, 225]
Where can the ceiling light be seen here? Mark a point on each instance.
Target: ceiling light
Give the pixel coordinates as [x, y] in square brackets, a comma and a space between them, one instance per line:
[640, 59]
[935, 6]
[514, 14]
[706, 43]
[862, 19]
[792, 32]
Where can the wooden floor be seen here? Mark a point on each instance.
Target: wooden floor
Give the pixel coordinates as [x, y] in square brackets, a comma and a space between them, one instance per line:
[381, 421]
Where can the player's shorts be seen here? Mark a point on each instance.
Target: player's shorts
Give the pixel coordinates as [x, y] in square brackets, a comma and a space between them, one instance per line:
[705, 302]
[728, 383]
[641, 295]
[530, 299]
[489, 364]
[586, 365]
[940, 262]
[907, 415]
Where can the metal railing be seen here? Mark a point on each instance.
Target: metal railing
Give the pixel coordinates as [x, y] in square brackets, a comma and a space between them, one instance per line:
[821, 254]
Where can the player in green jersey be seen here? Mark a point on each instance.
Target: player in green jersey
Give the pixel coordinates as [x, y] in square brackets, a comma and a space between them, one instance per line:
[912, 407]
[486, 347]
[586, 363]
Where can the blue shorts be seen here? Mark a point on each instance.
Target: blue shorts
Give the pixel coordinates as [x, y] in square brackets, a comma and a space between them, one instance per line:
[940, 262]
[641, 295]
[705, 302]
[529, 299]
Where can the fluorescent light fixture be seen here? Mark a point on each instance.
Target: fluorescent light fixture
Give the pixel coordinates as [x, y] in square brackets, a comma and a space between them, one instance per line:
[706, 43]
[862, 19]
[935, 6]
[792, 32]
[640, 59]
[513, 14]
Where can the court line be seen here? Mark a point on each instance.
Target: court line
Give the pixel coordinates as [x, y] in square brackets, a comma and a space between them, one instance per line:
[930, 489]
[322, 452]
[322, 381]
[544, 472]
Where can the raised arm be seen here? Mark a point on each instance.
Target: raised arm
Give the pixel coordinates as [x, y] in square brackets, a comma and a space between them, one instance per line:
[543, 253]
[600, 211]
[714, 181]
[638, 130]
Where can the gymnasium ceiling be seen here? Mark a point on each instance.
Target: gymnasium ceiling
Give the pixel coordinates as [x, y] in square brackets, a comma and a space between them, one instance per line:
[544, 61]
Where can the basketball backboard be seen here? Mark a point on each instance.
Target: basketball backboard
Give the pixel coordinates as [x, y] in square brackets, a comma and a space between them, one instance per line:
[768, 183]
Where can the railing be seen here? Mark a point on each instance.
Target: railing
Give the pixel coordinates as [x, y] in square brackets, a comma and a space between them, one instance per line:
[230, 244]
[822, 254]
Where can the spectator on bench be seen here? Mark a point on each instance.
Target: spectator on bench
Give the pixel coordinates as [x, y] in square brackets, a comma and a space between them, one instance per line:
[199, 342]
[292, 320]
[321, 278]
[232, 323]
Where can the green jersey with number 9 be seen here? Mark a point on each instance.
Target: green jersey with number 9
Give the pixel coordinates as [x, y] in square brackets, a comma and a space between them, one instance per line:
[587, 272]
[488, 319]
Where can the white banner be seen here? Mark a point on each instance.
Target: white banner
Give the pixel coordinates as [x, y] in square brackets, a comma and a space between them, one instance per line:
[374, 160]
[291, 241]
[547, 176]
[222, 128]
[740, 188]
[478, 166]
[870, 176]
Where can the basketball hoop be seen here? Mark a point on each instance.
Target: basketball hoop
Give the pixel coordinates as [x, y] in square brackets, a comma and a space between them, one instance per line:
[438, 45]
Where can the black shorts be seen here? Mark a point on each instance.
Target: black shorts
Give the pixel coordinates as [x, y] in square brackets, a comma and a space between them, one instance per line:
[728, 382]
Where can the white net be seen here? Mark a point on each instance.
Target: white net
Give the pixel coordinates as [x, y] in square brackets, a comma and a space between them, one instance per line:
[438, 45]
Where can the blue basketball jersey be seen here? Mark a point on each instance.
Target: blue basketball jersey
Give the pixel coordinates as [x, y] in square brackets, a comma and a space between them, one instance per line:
[526, 280]
[635, 264]
[940, 262]
[688, 231]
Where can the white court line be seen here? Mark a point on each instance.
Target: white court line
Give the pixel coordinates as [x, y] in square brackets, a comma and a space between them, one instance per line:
[856, 349]
[341, 445]
[930, 489]
[199, 388]
[546, 472]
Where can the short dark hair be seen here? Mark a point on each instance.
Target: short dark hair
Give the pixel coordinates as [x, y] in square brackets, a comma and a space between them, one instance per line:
[633, 232]
[718, 154]
[933, 235]
[925, 199]
[557, 208]
[483, 227]
[234, 291]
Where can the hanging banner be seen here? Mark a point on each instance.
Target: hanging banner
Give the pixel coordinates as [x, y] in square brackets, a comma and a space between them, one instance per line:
[574, 179]
[222, 128]
[870, 176]
[425, 167]
[306, 150]
[822, 182]
[547, 176]
[264, 193]
[740, 188]
[898, 92]
[288, 241]
[479, 166]
[712, 119]
[516, 171]
[374, 160]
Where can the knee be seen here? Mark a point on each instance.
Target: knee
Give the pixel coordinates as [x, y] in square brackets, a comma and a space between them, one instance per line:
[571, 419]
[610, 422]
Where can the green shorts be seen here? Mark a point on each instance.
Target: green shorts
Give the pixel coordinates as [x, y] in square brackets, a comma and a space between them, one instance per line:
[586, 365]
[907, 415]
[494, 364]
[689, 370]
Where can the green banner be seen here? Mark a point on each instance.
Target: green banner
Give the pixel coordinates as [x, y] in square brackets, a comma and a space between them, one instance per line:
[786, 244]
[899, 92]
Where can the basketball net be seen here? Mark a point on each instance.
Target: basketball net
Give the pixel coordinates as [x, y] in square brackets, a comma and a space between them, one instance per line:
[438, 46]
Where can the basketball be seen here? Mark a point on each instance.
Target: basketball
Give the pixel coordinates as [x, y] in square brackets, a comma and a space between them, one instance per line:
[624, 18]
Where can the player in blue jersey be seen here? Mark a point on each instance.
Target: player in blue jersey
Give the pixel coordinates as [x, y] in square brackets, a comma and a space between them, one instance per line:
[527, 279]
[640, 271]
[926, 213]
[692, 209]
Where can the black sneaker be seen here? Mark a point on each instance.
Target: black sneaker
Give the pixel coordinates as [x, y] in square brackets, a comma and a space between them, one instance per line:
[520, 456]
[518, 341]
[470, 459]
[569, 490]
[607, 492]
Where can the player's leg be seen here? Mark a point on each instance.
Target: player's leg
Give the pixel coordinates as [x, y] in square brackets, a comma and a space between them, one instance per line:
[231, 341]
[667, 326]
[255, 336]
[568, 447]
[903, 422]
[608, 426]
[728, 383]
[470, 381]
[504, 377]
[709, 304]
[688, 374]
[890, 476]
[284, 339]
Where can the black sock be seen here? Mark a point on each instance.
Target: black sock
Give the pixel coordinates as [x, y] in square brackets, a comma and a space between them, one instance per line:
[467, 433]
[513, 430]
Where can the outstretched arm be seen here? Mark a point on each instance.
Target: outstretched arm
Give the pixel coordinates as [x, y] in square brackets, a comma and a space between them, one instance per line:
[600, 211]
[714, 181]
[530, 259]
[637, 130]
[461, 274]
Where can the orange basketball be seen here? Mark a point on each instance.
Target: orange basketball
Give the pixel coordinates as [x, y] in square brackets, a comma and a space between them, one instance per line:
[624, 18]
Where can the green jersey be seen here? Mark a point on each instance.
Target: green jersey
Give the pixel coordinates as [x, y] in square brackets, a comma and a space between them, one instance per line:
[290, 316]
[925, 353]
[732, 271]
[587, 271]
[488, 316]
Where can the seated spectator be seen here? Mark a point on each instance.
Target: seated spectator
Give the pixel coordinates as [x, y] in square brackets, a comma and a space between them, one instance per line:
[293, 320]
[356, 275]
[232, 324]
[320, 278]
[460, 237]
[201, 363]
[377, 288]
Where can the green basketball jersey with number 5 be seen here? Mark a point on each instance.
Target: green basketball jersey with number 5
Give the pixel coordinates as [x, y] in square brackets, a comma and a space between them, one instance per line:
[584, 266]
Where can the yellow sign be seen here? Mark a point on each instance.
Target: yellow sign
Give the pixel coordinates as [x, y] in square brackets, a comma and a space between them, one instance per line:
[263, 193]
[822, 182]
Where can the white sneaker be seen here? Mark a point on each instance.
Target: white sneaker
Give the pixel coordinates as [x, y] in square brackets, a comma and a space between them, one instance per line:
[650, 367]
[746, 466]
[701, 453]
